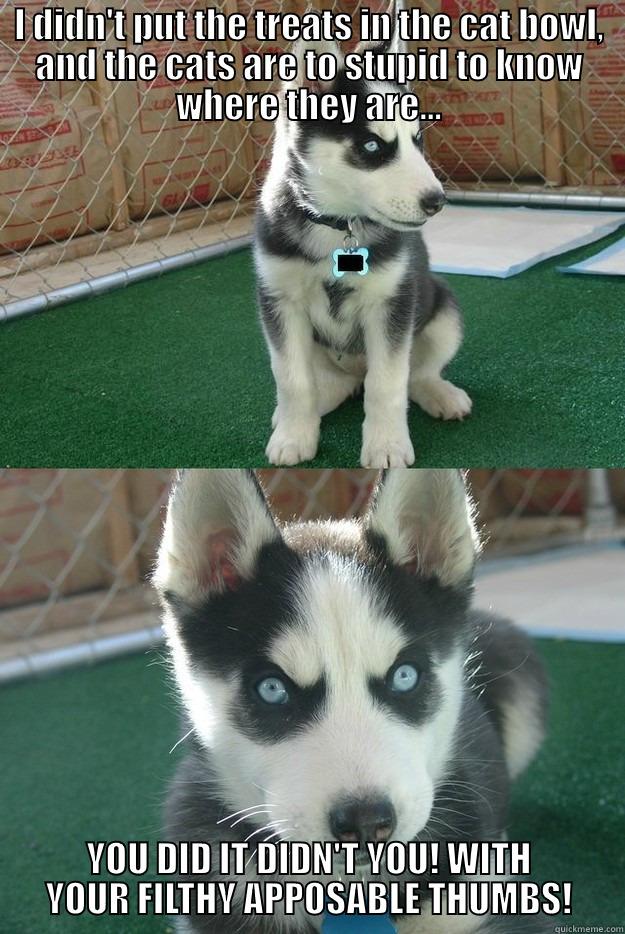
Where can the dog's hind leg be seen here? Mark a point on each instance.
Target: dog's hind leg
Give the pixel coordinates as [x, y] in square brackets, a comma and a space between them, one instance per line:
[432, 349]
[334, 385]
[511, 683]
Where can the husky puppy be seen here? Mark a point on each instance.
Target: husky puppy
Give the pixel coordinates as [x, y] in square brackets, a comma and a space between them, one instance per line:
[337, 683]
[395, 328]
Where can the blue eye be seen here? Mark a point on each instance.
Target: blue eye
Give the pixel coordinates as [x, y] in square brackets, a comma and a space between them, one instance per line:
[272, 691]
[371, 145]
[404, 678]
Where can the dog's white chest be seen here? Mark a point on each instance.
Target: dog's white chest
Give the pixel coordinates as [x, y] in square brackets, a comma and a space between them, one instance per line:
[341, 312]
[337, 307]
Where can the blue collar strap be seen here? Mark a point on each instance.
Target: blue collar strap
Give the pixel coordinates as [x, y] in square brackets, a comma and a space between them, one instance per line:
[357, 924]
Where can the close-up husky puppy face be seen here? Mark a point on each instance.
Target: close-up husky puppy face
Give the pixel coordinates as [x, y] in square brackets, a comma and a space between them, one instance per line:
[321, 663]
[374, 169]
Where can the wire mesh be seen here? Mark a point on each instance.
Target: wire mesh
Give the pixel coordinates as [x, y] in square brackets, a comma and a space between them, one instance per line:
[77, 546]
[99, 178]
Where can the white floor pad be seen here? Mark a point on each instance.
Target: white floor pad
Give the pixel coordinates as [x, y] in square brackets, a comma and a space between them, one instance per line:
[609, 262]
[574, 593]
[503, 241]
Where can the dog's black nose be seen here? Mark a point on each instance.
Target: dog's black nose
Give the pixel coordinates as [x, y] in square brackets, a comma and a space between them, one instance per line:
[432, 202]
[363, 820]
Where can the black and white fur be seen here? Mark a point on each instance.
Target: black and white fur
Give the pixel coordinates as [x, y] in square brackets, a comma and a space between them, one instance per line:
[331, 608]
[395, 328]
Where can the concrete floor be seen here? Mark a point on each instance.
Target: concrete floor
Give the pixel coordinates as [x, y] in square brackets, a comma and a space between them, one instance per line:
[575, 593]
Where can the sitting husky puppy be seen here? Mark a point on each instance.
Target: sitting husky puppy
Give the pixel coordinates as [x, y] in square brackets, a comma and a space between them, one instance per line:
[337, 682]
[395, 327]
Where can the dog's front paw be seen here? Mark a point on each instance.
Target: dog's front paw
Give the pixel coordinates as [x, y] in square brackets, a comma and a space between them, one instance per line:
[383, 447]
[293, 441]
[441, 399]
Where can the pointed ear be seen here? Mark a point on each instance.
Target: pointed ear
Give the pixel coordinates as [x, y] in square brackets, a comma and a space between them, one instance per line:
[318, 47]
[426, 520]
[392, 46]
[217, 522]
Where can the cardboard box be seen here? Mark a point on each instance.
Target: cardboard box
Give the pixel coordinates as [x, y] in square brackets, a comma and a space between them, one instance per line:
[49, 542]
[148, 492]
[55, 168]
[593, 111]
[314, 494]
[490, 130]
[170, 164]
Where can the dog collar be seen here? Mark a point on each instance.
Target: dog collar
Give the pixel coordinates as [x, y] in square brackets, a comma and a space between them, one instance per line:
[327, 220]
[352, 258]
[357, 924]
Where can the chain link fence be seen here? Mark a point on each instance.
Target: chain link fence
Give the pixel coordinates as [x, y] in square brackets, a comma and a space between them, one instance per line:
[101, 184]
[77, 546]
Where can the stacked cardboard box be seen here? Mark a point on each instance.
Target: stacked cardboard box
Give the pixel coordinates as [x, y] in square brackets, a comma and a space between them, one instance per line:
[170, 164]
[84, 156]
[55, 167]
[593, 113]
[562, 132]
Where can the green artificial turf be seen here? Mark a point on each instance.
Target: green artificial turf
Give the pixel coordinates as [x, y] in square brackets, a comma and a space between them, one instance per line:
[173, 371]
[85, 756]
